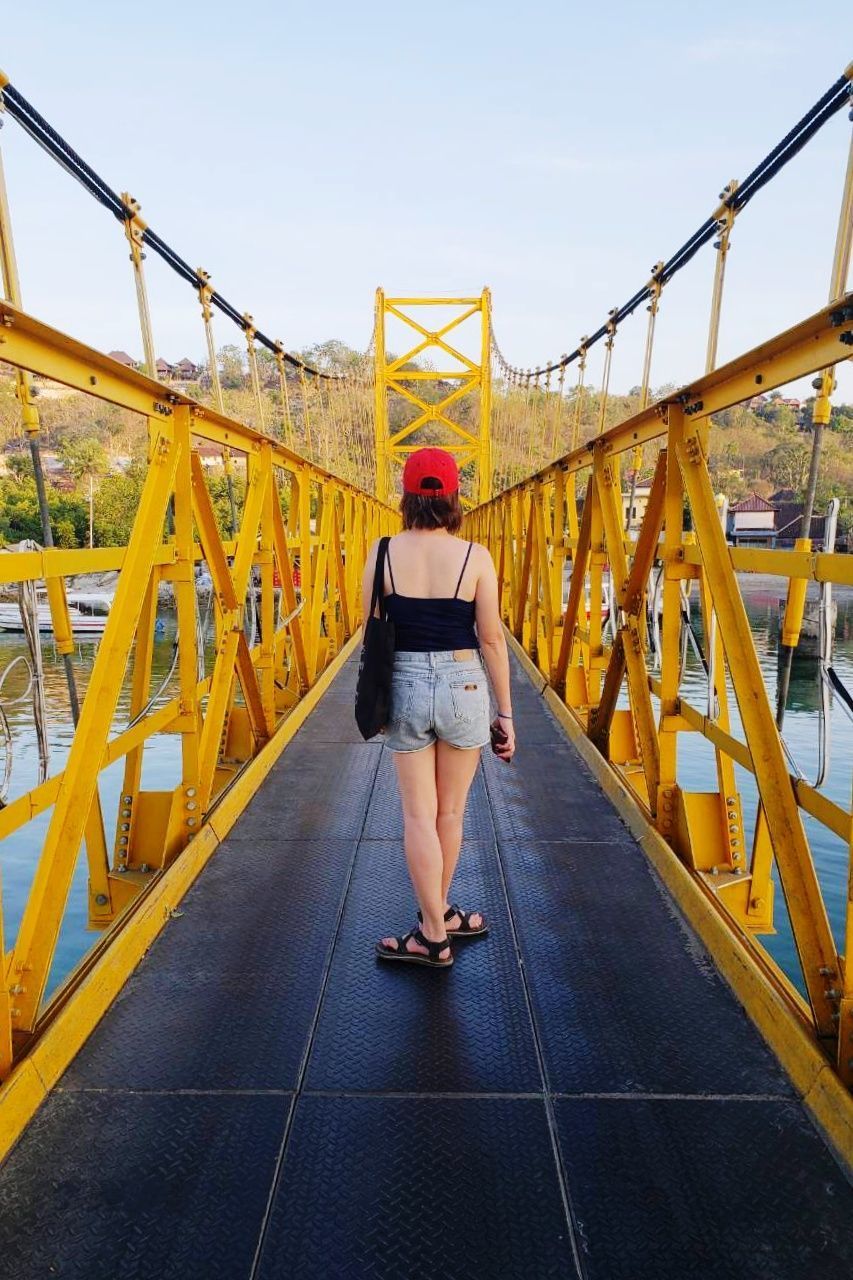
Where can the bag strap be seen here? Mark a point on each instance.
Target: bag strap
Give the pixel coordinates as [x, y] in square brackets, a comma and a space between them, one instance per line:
[379, 577]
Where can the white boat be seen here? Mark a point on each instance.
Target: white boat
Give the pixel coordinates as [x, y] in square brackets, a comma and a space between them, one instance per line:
[87, 611]
[605, 594]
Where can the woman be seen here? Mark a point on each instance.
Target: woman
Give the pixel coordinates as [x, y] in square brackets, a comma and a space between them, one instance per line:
[442, 594]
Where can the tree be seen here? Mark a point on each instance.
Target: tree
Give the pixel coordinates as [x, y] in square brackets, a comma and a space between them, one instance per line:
[787, 464]
[118, 502]
[217, 487]
[20, 466]
[10, 412]
[232, 366]
[85, 459]
[20, 518]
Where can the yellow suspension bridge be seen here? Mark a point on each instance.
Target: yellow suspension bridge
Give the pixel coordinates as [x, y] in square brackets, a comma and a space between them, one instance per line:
[623, 1083]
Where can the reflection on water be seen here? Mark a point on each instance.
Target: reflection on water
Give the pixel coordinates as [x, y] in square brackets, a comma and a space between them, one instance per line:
[19, 851]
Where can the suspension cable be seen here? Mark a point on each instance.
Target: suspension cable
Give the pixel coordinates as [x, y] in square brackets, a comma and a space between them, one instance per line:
[832, 101]
[56, 146]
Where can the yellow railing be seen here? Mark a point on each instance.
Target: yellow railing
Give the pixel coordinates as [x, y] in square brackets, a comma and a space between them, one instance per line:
[534, 527]
[299, 526]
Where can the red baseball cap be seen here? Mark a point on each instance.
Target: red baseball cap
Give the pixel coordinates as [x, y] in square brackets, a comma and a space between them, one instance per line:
[432, 473]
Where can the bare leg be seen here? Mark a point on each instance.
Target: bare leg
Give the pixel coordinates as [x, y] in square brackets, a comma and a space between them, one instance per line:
[416, 778]
[454, 773]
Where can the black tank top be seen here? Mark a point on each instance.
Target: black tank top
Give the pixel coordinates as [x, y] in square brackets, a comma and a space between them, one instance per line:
[432, 626]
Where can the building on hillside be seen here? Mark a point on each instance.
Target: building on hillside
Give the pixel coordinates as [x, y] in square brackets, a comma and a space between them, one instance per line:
[764, 405]
[121, 357]
[772, 522]
[641, 501]
[752, 522]
[210, 456]
[789, 514]
[789, 517]
[185, 370]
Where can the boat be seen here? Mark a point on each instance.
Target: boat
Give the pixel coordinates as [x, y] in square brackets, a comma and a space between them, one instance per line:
[605, 592]
[87, 610]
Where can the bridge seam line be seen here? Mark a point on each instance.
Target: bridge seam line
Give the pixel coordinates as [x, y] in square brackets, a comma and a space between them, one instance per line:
[309, 1044]
[547, 1096]
[625, 1096]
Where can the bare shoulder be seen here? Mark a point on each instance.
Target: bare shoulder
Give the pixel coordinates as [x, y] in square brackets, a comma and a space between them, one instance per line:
[481, 560]
[481, 554]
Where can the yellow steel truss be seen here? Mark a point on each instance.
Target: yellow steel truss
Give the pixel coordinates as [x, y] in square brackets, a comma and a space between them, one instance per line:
[635, 719]
[298, 524]
[394, 378]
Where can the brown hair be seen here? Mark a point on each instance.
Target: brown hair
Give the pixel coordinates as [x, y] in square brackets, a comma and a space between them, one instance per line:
[422, 512]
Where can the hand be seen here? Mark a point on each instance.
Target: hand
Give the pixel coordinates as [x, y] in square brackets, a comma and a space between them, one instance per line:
[505, 740]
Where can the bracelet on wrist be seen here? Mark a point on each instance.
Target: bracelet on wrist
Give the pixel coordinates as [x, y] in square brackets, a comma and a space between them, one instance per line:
[501, 716]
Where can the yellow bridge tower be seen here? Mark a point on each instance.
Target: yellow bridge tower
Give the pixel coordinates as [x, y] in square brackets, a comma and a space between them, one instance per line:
[469, 440]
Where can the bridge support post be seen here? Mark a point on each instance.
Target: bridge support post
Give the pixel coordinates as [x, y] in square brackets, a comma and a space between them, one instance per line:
[484, 461]
[809, 922]
[39, 930]
[5, 1009]
[380, 406]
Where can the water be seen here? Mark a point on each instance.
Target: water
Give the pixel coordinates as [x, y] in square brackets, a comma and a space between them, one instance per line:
[696, 759]
[19, 851]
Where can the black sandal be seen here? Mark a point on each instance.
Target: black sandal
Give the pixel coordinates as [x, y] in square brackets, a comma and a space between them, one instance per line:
[402, 953]
[465, 929]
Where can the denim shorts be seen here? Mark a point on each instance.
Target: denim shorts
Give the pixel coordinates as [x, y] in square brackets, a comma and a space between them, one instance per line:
[435, 696]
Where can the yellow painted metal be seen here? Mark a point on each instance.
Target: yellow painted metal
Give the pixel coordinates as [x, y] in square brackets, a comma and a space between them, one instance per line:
[254, 376]
[484, 459]
[528, 526]
[810, 925]
[796, 602]
[218, 733]
[134, 229]
[30, 421]
[725, 216]
[287, 421]
[605, 377]
[90, 989]
[205, 293]
[433, 422]
[814, 566]
[770, 1000]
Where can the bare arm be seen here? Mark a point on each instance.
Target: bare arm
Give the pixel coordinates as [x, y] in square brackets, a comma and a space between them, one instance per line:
[367, 581]
[493, 641]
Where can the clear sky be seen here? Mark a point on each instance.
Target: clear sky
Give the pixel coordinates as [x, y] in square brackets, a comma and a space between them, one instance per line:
[305, 154]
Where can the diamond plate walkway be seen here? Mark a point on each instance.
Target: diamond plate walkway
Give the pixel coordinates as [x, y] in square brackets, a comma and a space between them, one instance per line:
[579, 1095]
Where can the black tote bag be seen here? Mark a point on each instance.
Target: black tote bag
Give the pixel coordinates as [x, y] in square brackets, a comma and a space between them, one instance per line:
[373, 690]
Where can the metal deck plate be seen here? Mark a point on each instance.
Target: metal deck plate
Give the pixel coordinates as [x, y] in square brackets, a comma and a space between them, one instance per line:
[547, 794]
[394, 1187]
[425, 1107]
[124, 1186]
[226, 996]
[666, 1189]
[626, 1000]
[323, 796]
[400, 1028]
